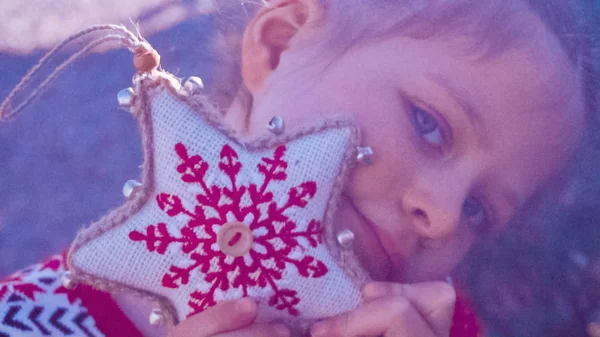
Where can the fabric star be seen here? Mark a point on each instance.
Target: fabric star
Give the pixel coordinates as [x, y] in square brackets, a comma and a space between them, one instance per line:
[217, 219]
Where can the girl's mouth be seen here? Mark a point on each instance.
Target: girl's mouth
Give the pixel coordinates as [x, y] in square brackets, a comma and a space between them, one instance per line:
[367, 243]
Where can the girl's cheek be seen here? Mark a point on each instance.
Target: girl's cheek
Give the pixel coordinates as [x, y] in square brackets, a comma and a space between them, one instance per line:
[396, 156]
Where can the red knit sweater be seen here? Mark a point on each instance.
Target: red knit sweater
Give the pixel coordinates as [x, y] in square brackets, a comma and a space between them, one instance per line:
[33, 302]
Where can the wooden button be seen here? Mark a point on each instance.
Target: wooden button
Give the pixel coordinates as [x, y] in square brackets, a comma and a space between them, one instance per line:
[235, 239]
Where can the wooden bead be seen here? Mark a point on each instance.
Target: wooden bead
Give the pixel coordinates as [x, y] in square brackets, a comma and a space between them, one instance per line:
[146, 60]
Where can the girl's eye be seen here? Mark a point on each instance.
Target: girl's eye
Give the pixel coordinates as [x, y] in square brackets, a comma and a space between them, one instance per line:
[427, 126]
[476, 215]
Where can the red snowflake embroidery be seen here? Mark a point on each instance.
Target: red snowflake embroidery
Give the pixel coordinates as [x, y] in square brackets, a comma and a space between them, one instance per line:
[276, 237]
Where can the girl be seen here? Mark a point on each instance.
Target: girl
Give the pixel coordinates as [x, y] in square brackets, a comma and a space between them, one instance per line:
[471, 108]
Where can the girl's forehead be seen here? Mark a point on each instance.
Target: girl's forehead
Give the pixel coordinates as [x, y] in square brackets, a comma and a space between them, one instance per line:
[532, 89]
[532, 106]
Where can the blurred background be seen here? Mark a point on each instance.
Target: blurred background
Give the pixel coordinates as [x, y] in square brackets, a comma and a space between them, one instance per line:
[64, 161]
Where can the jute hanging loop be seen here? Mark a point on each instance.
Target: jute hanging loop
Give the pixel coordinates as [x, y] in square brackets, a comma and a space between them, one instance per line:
[146, 59]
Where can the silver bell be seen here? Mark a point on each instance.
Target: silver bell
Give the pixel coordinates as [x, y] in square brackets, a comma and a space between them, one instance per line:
[157, 318]
[276, 125]
[130, 187]
[125, 98]
[365, 155]
[67, 280]
[193, 85]
[345, 238]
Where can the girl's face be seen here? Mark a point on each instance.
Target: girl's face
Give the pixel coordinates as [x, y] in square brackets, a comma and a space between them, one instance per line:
[460, 144]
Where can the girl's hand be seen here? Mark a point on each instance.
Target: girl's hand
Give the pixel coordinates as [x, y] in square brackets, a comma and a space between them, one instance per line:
[228, 319]
[395, 310]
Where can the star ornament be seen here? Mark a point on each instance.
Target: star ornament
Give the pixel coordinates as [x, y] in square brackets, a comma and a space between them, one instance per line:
[216, 219]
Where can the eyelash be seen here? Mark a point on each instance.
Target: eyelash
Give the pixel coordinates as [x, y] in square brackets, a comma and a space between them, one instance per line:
[423, 131]
[487, 223]
[418, 116]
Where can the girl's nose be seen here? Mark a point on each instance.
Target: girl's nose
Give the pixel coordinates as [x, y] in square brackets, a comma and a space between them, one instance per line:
[435, 209]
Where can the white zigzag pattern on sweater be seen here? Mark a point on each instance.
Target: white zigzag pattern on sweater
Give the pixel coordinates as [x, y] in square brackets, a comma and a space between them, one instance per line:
[33, 303]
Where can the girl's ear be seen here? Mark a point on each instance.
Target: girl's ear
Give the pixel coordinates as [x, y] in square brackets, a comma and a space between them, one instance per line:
[269, 34]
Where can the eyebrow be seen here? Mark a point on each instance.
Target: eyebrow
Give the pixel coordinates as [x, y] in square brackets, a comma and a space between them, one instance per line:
[474, 115]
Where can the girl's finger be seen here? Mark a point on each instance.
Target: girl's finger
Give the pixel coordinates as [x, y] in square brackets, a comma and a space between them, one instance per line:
[259, 330]
[392, 317]
[227, 316]
[435, 301]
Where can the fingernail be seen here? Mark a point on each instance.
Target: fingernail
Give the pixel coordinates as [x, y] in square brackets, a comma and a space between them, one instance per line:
[245, 304]
[375, 290]
[319, 329]
[282, 330]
